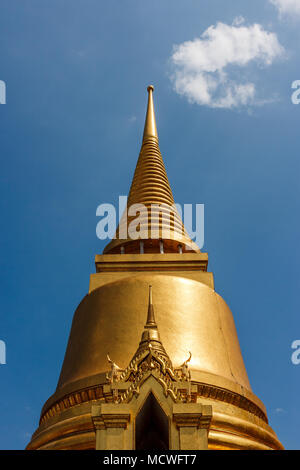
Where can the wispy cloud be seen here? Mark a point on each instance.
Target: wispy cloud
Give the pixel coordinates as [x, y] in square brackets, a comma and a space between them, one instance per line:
[132, 119]
[287, 7]
[279, 410]
[211, 69]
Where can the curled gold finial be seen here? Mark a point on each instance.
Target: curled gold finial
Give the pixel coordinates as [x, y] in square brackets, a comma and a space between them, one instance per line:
[185, 372]
[113, 375]
[150, 87]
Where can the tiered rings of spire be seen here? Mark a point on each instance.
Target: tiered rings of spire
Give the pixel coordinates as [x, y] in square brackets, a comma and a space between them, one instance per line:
[160, 226]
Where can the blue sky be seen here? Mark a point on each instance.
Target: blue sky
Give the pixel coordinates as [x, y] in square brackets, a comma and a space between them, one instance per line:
[76, 73]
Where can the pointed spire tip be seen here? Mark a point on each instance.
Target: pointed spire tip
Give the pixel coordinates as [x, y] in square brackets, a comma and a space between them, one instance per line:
[150, 316]
[150, 129]
[150, 295]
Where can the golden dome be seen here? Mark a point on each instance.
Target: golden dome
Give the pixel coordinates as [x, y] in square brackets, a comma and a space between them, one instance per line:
[111, 319]
[194, 318]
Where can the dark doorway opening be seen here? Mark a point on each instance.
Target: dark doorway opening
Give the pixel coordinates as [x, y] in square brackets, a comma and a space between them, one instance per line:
[151, 427]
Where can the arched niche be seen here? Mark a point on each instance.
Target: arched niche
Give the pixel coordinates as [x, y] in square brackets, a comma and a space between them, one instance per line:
[151, 426]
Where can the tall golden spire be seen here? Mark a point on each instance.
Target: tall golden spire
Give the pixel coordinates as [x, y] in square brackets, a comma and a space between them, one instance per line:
[150, 317]
[150, 336]
[160, 228]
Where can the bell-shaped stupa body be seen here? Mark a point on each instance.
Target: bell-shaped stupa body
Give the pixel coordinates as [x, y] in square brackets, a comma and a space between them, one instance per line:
[170, 379]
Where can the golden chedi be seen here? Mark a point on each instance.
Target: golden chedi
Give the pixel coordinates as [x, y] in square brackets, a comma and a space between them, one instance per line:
[153, 359]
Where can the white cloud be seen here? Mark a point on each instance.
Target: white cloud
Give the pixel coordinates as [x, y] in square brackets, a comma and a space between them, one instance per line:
[132, 119]
[279, 410]
[287, 7]
[209, 70]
